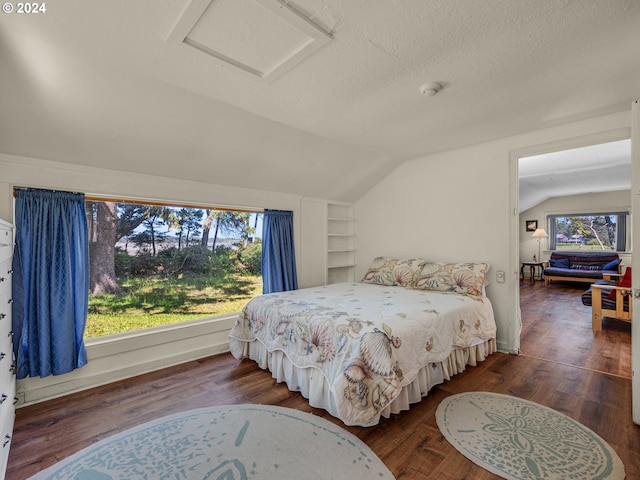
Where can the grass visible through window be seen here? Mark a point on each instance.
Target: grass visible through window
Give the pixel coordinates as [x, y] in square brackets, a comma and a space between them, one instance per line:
[151, 302]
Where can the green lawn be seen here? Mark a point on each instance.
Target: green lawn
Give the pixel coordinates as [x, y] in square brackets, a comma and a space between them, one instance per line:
[577, 246]
[158, 300]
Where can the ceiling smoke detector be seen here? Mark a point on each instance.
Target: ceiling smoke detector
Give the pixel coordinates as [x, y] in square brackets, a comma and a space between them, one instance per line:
[430, 89]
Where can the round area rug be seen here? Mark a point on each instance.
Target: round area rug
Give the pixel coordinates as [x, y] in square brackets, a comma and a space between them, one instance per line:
[521, 440]
[234, 442]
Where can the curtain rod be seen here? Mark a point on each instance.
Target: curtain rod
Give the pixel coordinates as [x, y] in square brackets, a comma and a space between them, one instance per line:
[94, 198]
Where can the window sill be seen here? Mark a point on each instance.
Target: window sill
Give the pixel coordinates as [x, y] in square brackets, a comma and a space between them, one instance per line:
[116, 343]
[124, 355]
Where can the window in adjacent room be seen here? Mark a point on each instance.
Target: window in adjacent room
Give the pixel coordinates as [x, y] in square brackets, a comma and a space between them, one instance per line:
[602, 231]
[154, 264]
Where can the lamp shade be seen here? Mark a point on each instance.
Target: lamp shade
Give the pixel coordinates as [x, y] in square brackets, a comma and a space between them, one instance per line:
[540, 233]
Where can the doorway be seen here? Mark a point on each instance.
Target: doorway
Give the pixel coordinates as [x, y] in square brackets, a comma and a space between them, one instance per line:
[583, 175]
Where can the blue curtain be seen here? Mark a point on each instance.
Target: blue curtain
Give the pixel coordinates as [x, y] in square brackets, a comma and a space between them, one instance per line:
[553, 232]
[278, 255]
[621, 233]
[51, 282]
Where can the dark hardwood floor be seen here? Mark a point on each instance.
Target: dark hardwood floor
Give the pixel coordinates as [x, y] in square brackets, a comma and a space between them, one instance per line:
[563, 365]
[556, 326]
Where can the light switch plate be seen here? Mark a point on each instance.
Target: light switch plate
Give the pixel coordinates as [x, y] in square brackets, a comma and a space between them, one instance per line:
[500, 276]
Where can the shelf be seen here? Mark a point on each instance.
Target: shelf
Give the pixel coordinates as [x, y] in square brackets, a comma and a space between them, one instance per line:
[341, 248]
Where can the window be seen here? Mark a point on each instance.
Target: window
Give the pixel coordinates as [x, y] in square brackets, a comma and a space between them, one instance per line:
[157, 264]
[602, 231]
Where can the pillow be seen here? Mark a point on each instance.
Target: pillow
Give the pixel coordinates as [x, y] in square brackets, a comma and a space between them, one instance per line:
[464, 278]
[392, 271]
[559, 262]
[579, 266]
[625, 282]
[613, 265]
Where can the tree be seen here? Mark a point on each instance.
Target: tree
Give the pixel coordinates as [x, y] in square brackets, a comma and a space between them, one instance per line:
[156, 217]
[130, 217]
[103, 221]
[188, 224]
[206, 228]
[231, 223]
[227, 223]
[611, 231]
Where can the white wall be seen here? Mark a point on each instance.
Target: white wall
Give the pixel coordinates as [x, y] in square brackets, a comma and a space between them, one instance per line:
[619, 201]
[460, 205]
[114, 358]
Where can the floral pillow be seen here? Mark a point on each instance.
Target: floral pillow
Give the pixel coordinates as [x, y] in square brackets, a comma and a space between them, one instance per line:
[393, 271]
[465, 278]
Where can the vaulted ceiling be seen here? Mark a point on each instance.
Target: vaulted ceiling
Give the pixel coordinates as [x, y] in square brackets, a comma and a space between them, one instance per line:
[592, 169]
[313, 97]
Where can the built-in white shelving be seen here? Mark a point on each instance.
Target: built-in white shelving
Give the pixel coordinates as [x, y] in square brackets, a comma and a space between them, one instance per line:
[341, 243]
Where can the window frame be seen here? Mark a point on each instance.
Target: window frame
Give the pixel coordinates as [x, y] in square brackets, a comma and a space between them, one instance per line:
[619, 213]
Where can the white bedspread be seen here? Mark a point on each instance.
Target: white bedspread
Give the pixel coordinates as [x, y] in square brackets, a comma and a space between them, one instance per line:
[368, 341]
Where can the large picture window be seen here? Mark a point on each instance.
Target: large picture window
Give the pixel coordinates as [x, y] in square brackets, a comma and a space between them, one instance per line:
[601, 231]
[157, 264]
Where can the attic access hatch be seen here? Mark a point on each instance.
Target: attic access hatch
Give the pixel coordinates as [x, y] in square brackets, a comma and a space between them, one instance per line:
[264, 38]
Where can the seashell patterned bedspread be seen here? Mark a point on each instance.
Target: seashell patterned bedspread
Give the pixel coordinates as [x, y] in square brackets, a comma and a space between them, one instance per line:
[368, 341]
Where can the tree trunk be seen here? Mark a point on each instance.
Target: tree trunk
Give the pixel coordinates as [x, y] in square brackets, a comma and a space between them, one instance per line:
[215, 235]
[206, 227]
[153, 241]
[611, 231]
[102, 272]
[595, 234]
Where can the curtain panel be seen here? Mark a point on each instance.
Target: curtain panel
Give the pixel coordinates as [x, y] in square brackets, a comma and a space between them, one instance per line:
[51, 282]
[621, 234]
[278, 254]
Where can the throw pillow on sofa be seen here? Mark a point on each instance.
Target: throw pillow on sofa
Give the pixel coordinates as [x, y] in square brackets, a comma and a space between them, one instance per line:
[559, 262]
[613, 265]
[579, 266]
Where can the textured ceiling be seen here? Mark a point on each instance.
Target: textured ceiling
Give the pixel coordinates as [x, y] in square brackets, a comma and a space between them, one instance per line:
[102, 83]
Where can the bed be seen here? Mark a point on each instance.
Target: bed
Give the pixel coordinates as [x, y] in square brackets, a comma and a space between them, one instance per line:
[367, 349]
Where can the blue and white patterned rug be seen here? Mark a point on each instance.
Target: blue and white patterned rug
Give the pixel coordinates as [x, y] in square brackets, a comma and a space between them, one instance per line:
[520, 440]
[234, 442]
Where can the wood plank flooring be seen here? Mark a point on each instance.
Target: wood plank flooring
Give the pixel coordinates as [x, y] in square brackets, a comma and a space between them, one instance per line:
[564, 365]
[556, 326]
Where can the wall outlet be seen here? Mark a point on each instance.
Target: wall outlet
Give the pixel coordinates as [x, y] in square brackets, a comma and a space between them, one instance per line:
[500, 276]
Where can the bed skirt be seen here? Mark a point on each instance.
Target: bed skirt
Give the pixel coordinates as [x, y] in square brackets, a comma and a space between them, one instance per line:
[314, 387]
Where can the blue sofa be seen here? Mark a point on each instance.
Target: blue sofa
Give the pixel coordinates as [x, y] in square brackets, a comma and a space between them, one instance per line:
[587, 267]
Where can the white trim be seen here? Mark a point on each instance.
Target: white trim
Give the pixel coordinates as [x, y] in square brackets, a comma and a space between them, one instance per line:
[116, 357]
[514, 240]
[635, 262]
[515, 327]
